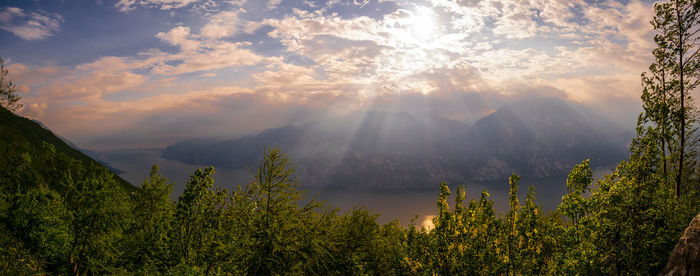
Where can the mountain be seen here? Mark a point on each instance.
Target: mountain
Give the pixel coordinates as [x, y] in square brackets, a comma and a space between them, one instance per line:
[17, 133]
[94, 155]
[537, 137]
[376, 150]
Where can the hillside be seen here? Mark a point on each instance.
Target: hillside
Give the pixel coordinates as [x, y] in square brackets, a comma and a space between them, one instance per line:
[539, 138]
[19, 133]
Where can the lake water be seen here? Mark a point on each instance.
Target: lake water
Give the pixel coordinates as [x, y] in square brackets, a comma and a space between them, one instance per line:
[390, 205]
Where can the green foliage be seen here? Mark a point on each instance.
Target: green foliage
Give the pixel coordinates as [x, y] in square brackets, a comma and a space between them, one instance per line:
[40, 220]
[279, 224]
[197, 221]
[668, 106]
[43, 154]
[68, 218]
[15, 257]
[573, 205]
[100, 212]
[147, 240]
[638, 192]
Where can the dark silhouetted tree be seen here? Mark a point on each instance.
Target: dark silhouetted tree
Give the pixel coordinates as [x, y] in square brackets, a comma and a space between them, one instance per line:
[8, 98]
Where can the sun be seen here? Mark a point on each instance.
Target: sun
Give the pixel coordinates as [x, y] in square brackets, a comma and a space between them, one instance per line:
[415, 37]
[423, 26]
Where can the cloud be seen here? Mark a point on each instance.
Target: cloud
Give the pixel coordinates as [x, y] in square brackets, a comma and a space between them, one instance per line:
[585, 50]
[30, 26]
[214, 80]
[179, 36]
[272, 4]
[128, 5]
[83, 84]
[168, 117]
[236, 2]
[197, 54]
[220, 25]
[92, 86]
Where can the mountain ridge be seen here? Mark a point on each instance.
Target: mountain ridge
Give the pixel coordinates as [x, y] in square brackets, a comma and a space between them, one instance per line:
[538, 137]
[19, 132]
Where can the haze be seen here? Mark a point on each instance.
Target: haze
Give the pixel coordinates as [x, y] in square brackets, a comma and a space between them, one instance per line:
[148, 73]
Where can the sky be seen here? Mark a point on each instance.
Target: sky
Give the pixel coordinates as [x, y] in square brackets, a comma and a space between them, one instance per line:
[118, 74]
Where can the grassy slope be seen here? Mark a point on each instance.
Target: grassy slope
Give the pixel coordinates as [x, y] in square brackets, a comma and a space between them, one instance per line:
[15, 129]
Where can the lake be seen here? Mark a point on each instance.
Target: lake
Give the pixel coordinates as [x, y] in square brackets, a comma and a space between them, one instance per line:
[390, 205]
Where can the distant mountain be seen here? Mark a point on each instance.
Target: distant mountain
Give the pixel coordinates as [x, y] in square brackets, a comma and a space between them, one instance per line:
[375, 150]
[537, 137]
[18, 131]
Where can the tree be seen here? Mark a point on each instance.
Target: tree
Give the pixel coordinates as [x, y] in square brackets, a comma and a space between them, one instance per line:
[510, 230]
[443, 233]
[355, 241]
[634, 222]
[195, 219]
[40, 220]
[533, 243]
[99, 209]
[578, 182]
[578, 253]
[8, 98]
[657, 100]
[279, 238]
[147, 243]
[678, 44]
[685, 41]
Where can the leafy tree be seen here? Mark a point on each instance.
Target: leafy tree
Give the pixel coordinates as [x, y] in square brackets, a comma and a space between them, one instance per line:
[443, 234]
[195, 219]
[148, 236]
[510, 231]
[535, 242]
[391, 250]
[99, 209]
[356, 242]
[580, 178]
[15, 257]
[279, 227]
[484, 235]
[22, 175]
[678, 44]
[8, 98]
[40, 220]
[658, 100]
[634, 219]
[417, 243]
[578, 250]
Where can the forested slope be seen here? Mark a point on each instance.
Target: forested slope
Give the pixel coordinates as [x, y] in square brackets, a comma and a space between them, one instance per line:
[21, 135]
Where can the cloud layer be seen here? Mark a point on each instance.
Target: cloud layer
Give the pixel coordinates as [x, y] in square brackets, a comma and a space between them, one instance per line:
[242, 66]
